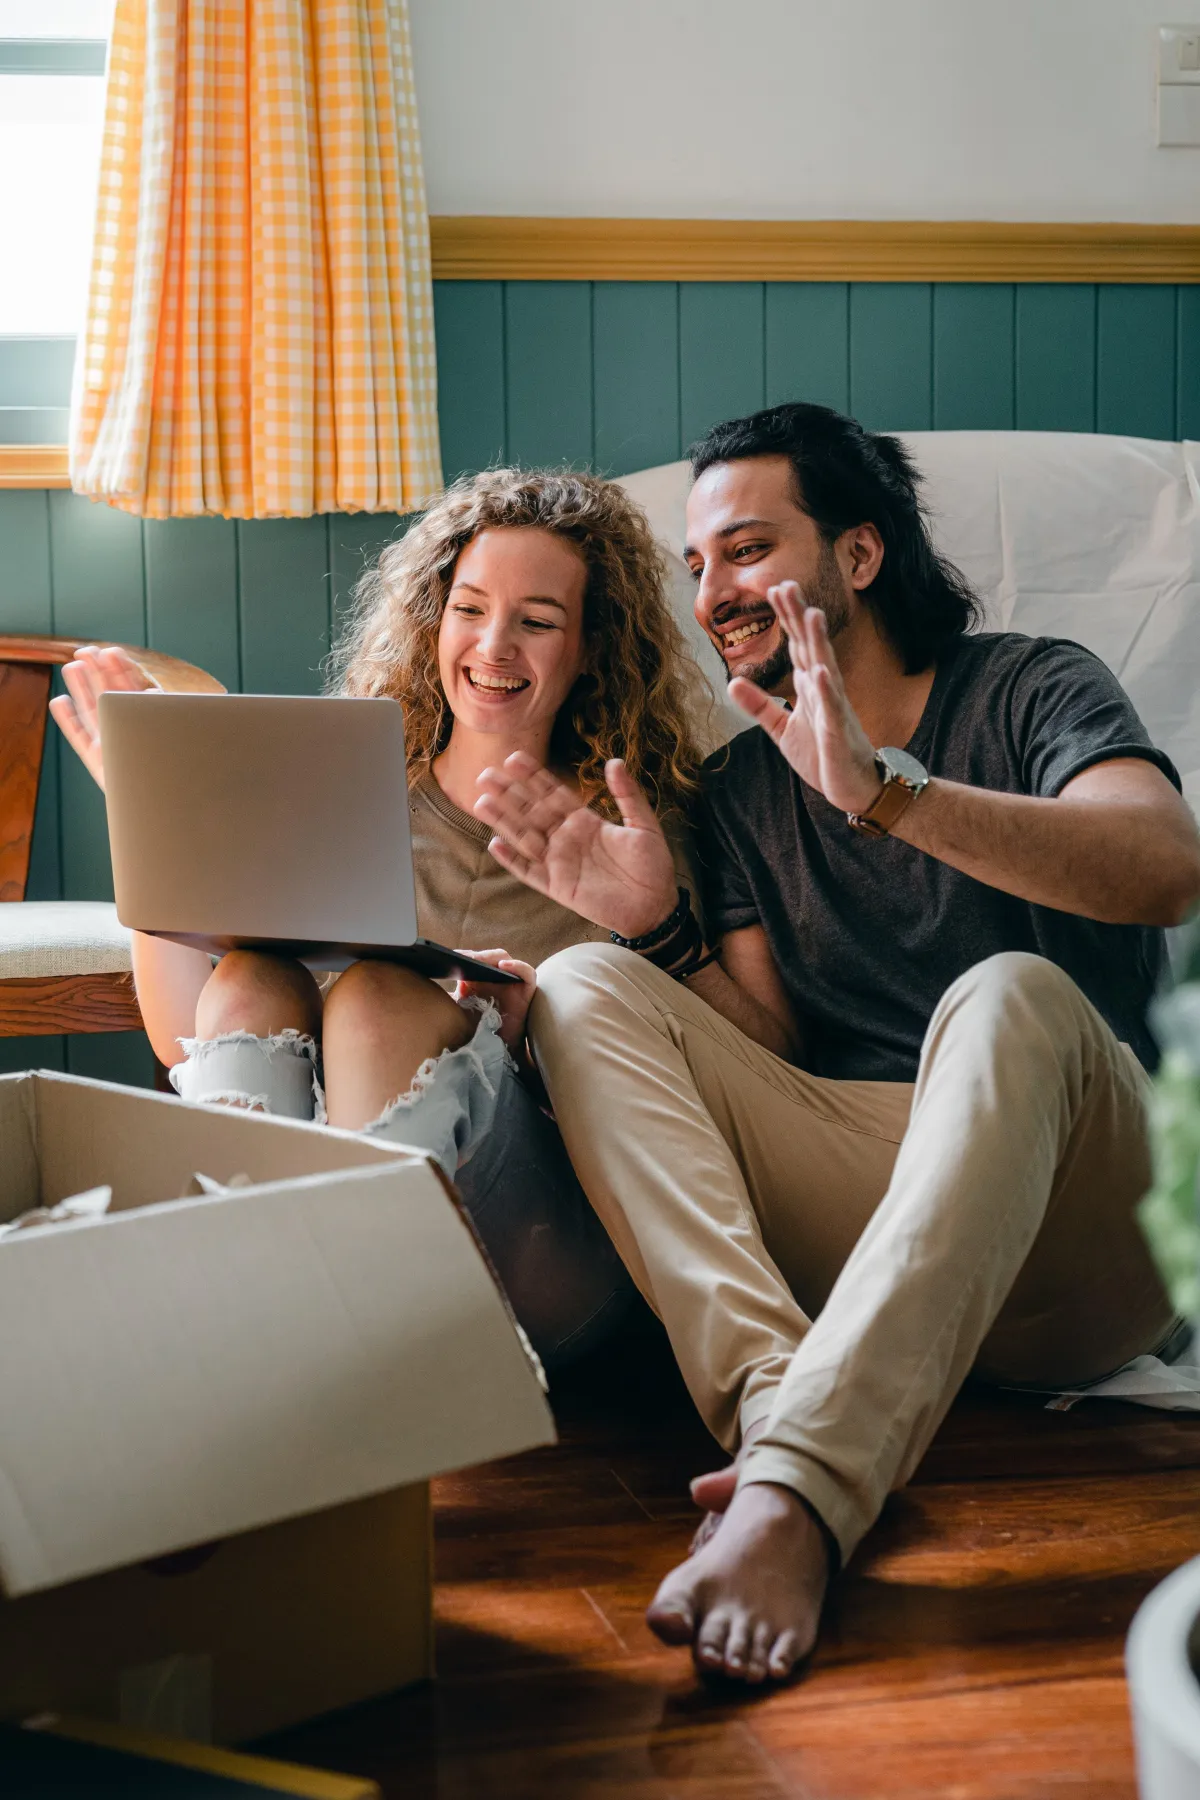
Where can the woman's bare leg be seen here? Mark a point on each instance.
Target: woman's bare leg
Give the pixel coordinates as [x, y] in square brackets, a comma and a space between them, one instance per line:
[264, 995]
[169, 979]
[381, 1023]
[255, 1045]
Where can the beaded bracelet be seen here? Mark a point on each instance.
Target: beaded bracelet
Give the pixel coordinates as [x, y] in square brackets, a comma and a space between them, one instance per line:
[676, 946]
[660, 933]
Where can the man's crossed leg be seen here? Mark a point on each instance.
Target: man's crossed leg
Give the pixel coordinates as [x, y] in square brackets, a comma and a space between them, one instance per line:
[831, 1258]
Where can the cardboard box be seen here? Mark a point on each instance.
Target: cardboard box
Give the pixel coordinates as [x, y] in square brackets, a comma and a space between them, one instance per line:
[220, 1411]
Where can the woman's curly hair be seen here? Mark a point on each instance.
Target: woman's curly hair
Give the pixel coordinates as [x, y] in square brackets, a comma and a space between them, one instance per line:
[638, 693]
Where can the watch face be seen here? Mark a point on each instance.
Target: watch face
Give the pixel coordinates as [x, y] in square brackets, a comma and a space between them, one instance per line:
[903, 767]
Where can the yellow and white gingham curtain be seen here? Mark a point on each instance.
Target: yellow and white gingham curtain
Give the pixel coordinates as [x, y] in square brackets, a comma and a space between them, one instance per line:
[259, 338]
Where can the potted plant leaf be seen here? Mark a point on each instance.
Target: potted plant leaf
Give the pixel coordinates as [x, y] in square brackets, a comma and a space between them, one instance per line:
[1163, 1651]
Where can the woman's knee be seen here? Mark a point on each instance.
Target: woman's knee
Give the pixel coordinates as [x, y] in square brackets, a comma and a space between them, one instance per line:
[382, 1024]
[373, 994]
[264, 995]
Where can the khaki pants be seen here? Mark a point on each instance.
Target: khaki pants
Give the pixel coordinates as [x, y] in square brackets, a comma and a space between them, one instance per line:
[835, 1256]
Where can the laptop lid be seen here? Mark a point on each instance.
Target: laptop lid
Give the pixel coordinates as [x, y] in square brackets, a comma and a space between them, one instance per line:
[259, 817]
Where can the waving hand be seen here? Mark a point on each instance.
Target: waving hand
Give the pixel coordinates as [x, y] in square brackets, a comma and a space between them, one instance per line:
[620, 876]
[94, 672]
[820, 736]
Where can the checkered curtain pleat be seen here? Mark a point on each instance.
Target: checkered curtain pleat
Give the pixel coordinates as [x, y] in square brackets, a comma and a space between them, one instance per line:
[259, 340]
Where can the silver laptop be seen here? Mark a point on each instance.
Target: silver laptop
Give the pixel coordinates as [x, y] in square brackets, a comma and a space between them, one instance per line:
[240, 821]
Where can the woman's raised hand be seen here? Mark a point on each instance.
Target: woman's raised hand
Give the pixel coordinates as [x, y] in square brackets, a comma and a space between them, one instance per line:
[94, 672]
[620, 876]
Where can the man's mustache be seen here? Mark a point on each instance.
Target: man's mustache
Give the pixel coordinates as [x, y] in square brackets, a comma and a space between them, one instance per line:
[735, 610]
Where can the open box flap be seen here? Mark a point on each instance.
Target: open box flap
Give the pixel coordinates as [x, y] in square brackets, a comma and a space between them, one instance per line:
[202, 1367]
[20, 1176]
[147, 1146]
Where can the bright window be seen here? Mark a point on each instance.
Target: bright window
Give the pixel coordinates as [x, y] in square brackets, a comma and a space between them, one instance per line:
[56, 18]
[51, 119]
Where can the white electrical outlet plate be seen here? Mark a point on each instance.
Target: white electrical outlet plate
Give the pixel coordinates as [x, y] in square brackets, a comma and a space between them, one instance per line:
[1179, 55]
[1179, 117]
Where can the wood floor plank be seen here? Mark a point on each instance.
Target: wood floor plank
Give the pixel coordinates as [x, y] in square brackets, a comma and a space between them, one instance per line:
[1025, 1741]
[598, 1735]
[976, 1534]
[1006, 1437]
[566, 1556]
[497, 1627]
[561, 1482]
[972, 1650]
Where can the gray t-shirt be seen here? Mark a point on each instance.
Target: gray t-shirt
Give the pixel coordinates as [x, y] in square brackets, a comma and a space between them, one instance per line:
[869, 933]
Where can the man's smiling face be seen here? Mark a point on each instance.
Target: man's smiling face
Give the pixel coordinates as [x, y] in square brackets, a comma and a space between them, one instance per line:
[745, 534]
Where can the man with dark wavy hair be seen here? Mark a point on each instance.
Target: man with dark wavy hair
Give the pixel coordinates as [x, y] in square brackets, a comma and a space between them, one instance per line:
[883, 1124]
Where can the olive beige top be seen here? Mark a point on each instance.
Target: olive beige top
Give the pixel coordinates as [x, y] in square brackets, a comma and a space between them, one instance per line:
[468, 902]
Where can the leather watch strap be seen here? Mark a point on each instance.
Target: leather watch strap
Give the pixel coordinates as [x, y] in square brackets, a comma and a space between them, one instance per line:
[884, 811]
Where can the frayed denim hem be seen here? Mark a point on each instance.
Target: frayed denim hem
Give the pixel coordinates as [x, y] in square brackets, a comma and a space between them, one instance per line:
[451, 1103]
[275, 1074]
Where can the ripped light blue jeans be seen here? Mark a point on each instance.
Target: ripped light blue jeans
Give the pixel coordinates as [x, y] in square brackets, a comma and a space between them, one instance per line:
[470, 1110]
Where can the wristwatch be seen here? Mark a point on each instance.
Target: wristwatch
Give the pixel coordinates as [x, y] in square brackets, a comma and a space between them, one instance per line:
[903, 778]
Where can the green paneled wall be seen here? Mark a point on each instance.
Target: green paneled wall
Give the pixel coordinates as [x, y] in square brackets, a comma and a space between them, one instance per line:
[252, 601]
[617, 375]
[623, 375]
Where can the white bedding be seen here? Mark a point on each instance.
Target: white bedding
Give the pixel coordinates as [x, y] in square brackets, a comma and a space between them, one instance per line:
[1069, 534]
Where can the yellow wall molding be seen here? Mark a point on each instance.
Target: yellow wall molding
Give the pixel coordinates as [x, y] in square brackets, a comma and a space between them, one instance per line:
[33, 466]
[516, 249]
[470, 249]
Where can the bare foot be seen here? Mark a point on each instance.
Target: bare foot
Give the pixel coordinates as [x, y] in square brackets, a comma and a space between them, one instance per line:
[749, 1600]
[715, 1490]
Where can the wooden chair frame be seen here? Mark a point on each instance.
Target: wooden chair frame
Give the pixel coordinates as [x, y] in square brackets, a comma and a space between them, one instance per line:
[42, 1006]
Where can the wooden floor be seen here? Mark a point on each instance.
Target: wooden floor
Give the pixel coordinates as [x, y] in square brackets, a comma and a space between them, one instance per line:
[973, 1650]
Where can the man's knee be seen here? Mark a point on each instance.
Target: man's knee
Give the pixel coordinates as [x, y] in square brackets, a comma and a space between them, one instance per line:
[591, 974]
[1017, 986]
[585, 984]
[1015, 972]
[585, 964]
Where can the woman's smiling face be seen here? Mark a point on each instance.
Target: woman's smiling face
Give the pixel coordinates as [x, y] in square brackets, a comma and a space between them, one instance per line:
[510, 645]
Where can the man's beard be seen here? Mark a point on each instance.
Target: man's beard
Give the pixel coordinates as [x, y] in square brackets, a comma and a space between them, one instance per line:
[771, 672]
[826, 591]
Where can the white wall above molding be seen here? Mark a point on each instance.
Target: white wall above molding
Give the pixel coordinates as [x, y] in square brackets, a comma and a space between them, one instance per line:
[799, 109]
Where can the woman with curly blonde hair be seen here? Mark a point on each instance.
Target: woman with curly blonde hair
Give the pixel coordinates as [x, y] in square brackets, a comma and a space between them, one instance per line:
[633, 696]
[524, 612]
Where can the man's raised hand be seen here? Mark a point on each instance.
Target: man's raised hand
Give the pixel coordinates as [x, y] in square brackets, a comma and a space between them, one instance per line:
[620, 876]
[820, 737]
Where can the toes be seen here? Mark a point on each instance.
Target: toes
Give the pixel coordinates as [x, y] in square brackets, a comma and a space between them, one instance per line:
[671, 1621]
[760, 1650]
[671, 1614]
[711, 1640]
[737, 1646]
[785, 1654]
[715, 1491]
